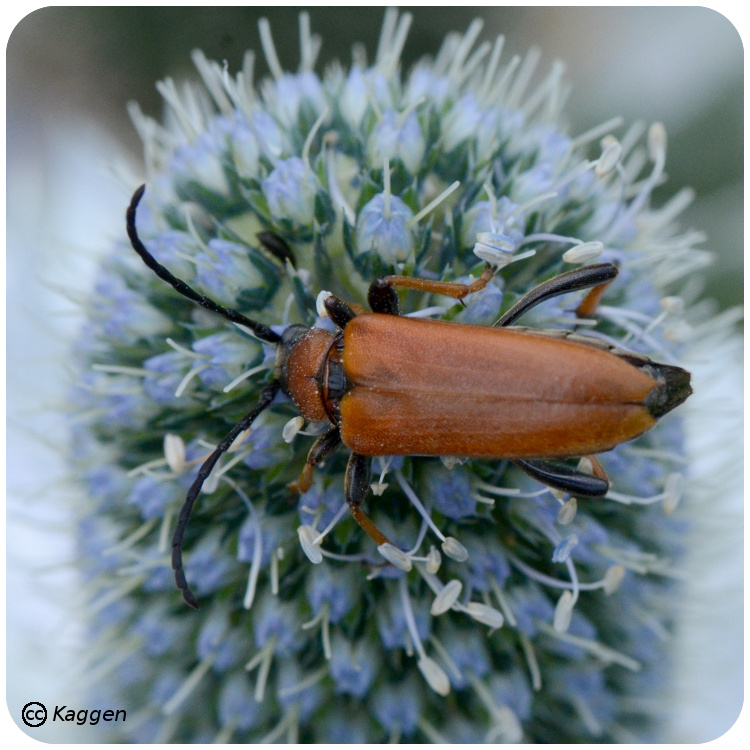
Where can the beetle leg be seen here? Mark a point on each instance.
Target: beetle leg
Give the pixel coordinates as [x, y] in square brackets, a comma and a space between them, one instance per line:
[564, 478]
[321, 449]
[446, 288]
[570, 281]
[357, 484]
[277, 246]
[264, 402]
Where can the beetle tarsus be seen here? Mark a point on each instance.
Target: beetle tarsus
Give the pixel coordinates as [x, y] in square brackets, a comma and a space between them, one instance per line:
[321, 449]
[564, 478]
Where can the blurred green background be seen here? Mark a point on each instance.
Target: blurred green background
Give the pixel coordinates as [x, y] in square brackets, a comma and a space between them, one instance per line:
[679, 65]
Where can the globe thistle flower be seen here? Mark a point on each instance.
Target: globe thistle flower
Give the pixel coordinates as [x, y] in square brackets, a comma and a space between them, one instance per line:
[516, 613]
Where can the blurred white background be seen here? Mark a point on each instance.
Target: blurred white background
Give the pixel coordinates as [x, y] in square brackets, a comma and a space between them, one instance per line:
[70, 72]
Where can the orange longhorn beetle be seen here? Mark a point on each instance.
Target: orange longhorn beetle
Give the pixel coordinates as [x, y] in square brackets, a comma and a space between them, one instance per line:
[392, 385]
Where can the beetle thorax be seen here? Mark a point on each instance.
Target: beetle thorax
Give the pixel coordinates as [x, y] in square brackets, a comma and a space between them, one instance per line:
[308, 364]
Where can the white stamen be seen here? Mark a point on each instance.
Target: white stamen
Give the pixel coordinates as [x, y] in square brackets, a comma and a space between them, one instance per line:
[307, 536]
[446, 598]
[131, 539]
[609, 159]
[433, 561]
[613, 578]
[189, 685]
[309, 44]
[122, 370]
[247, 374]
[327, 530]
[395, 556]
[409, 492]
[378, 488]
[432, 204]
[311, 136]
[485, 614]
[292, 428]
[275, 572]
[503, 602]
[174, 452]
[188, 377]
[320, 303]
[490, 72]
[596, 132]
[211, 484]
[584, 252]
[563, 611]
[269, 50]
[186, 352]
[657, 142]
[563, 550]
[386, 190]
[454, 549]
[673, 492]
[672, 305]
[164, 529]
[336, 195]
[531, 661]
[434, 675]
[450, 462]
[606, 654]
[567, 512]
[303, 684]
[466, 43]
[507, 728]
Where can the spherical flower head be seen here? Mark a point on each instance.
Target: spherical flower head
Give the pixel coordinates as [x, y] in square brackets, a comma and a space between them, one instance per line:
[497, 609]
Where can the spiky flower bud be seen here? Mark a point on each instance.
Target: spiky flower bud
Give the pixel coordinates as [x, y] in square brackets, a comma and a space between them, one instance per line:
[542, 619]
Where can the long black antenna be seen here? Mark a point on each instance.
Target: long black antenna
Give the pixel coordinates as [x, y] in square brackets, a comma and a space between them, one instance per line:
[570, 281]
[263, 332]
[264, 402]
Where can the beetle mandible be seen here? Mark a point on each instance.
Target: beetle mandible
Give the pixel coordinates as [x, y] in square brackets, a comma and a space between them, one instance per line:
[392, 385]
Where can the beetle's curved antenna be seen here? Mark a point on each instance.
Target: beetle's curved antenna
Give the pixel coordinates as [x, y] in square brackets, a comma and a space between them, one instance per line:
[570, 281]
[266, 396]
[263, 332]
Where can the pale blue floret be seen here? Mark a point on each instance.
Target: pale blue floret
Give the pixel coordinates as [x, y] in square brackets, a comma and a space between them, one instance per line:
[331, 587]
[237, 705]
[398, 706]
[152, 496]
[396, 137]
[468, 653]
[352, 666]
[450, 491]
[161, 632]
[290, 191]
[274, 532]
[305, 701]
[200, 164]
[385, 234]
[278, 621]
[237, 272]
[209, 567]
[512, 689]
